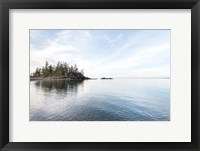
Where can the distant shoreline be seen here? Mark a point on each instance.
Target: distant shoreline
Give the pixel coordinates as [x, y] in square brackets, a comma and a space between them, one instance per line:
[146, 78]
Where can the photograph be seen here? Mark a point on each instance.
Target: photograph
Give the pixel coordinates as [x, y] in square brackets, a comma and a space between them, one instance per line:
[99, 74]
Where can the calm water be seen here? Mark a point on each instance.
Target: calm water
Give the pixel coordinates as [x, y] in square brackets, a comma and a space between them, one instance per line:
[100, 100]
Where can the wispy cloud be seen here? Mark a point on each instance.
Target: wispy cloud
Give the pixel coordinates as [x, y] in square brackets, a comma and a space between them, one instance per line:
[109, 53]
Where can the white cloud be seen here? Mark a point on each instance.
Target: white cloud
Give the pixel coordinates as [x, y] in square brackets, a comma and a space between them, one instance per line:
[145, 53]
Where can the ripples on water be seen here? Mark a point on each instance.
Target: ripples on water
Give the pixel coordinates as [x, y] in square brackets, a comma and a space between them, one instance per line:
[100, 100]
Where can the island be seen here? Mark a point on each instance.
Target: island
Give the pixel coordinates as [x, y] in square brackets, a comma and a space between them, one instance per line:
[106, 78]
[62, 70]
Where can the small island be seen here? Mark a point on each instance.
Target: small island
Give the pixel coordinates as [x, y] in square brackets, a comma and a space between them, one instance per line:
[106, 78]
[60, 71]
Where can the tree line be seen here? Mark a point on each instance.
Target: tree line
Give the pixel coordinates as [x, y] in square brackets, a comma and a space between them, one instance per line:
[61, 70]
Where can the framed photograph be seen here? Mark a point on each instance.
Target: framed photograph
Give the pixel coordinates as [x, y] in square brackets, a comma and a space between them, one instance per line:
[99, 75]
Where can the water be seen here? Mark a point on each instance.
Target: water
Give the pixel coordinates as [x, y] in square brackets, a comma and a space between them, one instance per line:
[100, 100]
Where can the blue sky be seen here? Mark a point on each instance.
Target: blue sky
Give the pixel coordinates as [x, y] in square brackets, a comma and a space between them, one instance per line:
[104, 53]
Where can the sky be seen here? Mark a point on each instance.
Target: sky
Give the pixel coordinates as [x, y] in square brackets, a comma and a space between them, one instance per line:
[104, 53]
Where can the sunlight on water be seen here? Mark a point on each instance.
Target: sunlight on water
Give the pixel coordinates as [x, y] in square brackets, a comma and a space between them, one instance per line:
[100, 100]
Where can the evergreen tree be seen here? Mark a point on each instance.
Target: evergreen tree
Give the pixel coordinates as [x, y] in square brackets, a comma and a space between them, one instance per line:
[61, 70]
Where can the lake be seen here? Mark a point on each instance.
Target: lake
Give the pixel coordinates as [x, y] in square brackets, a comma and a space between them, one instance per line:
[100, 100]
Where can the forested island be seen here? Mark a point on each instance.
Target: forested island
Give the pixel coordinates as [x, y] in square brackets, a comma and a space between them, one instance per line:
[106, 78]
[60, 71]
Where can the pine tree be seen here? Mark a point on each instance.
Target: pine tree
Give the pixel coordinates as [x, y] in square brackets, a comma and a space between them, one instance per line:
[61, 70]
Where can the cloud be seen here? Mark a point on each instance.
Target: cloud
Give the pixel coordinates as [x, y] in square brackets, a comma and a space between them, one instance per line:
[116, 53]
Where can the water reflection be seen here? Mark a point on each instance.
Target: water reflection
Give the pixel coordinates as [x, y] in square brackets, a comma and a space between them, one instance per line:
[60, 85]
[100, 100]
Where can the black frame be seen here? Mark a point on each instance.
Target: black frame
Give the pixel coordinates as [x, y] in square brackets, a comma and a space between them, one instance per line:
[5, 5]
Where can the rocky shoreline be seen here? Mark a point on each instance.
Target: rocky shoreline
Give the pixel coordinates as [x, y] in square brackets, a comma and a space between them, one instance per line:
[58, 78]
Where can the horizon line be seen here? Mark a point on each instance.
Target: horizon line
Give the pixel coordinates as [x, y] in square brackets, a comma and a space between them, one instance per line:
[138, 77]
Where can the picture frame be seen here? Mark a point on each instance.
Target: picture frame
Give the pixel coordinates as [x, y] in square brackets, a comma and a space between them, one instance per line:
[6, 5]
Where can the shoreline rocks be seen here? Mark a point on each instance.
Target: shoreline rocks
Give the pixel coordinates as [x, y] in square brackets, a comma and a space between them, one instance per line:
[58, 78]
